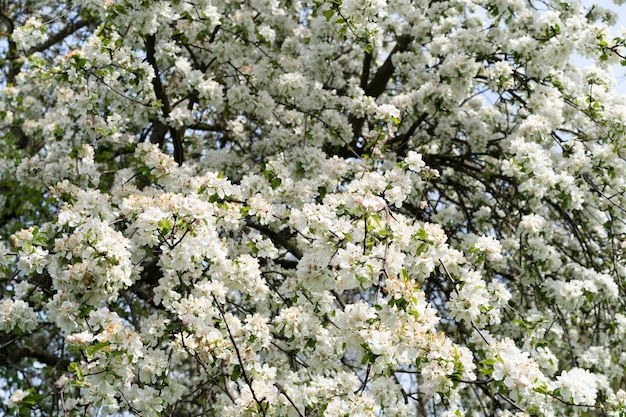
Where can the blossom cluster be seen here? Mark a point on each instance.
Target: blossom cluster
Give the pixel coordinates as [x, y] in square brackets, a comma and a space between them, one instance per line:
[284, 208]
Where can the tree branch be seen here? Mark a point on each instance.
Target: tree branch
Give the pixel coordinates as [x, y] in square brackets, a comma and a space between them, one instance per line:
[279, 238]
[365, 74]
[59, 36]
[378, 84]
[166, 109]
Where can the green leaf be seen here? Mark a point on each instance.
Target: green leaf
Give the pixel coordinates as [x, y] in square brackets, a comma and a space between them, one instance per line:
[369, 358]
[322, 191]
[236, 373]
[164, 226]
[172, 326]
[275, 183]
[421, 235]
[75, 368]
[84, 311]
[421, 248]
[91, 350]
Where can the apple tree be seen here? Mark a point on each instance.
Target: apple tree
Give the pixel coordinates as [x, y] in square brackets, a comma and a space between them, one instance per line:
[311, 208]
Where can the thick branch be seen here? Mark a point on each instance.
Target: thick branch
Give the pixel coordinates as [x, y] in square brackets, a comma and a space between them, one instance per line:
[279, 238]
[161, 94]
[365, 74]
[14, 353]
[400, 143]
[59, 36]
[45, 357]
[378, 84]
[12, 55]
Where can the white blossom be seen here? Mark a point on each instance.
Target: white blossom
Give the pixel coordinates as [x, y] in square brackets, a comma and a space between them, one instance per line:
[578, 385]
[18, 396]
[224, 208]
[490, 247]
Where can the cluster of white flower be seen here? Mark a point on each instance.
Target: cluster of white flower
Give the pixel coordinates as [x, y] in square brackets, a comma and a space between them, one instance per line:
[17, 314]
[31, 33]
[357, 207]
[490, 247]
[91, 262]
[578, 386]
[18, 396]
